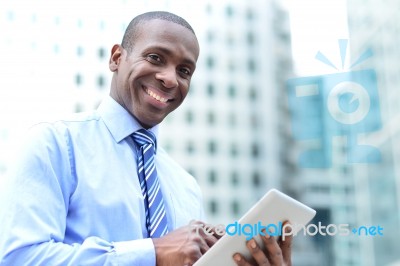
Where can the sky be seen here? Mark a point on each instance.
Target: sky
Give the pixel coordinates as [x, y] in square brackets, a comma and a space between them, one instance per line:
[316, 25]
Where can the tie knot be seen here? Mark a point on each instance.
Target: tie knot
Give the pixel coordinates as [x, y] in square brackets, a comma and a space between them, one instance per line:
[143, 136]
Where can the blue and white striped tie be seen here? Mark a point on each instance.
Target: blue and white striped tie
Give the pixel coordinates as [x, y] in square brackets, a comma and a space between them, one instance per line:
[156, 219]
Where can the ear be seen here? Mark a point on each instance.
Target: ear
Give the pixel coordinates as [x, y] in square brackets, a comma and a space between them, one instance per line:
[115, 58]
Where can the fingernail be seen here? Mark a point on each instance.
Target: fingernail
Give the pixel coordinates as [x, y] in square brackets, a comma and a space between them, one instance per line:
[237, 257]
[253, 244]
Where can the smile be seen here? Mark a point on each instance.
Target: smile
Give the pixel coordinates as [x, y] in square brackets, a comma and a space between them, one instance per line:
[156, 96]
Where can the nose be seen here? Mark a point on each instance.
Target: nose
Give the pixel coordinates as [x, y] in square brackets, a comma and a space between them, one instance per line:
[168, 77]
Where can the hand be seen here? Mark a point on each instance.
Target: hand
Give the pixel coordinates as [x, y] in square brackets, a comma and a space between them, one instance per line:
[185, 245]
[275, 253]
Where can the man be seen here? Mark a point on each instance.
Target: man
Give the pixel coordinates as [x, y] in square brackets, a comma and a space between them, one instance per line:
[96, 189]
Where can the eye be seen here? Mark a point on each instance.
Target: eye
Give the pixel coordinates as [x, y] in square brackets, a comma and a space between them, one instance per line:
[155, 58]
[186, 71]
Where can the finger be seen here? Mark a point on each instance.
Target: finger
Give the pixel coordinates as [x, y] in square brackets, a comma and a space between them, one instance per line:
[211, 240]
[210, 233]
[199, 234]
[204, 247]
[208, 236]
[216, 231]
[240, 260]
[257, 253]
[272, 249]
[285, 242]
[199, 241]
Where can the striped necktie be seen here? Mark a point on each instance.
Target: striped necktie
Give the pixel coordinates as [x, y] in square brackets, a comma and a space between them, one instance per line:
[156, 219]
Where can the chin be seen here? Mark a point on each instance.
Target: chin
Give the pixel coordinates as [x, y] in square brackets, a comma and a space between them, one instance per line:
[151, 123]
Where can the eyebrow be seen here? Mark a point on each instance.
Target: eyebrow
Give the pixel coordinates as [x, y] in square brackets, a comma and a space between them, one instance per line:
[169, 52]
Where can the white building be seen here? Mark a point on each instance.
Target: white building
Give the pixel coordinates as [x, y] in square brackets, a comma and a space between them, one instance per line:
[375, 25]
[229, 126]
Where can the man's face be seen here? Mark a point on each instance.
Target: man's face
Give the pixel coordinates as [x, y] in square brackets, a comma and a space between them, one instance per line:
[153, 80]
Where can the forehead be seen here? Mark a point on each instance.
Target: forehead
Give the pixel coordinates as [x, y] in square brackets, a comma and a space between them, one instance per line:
[167, 35]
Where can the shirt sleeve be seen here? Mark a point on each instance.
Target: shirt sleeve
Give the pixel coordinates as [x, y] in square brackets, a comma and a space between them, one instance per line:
[34, 206]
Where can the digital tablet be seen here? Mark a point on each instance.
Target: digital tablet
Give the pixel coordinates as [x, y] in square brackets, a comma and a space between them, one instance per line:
[270, 211]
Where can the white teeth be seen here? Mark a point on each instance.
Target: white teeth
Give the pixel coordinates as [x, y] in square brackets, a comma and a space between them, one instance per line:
[157, 97]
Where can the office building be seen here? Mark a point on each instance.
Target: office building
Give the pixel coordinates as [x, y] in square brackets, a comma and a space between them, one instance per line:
[375, 25]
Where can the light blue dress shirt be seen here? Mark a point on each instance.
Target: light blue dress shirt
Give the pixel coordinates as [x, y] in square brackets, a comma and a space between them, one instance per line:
[73, 196]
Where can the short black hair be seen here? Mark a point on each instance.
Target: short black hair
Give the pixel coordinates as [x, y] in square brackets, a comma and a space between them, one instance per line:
[132, 30]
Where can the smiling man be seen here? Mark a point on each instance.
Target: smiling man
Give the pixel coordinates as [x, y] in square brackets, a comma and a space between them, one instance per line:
[96, 189]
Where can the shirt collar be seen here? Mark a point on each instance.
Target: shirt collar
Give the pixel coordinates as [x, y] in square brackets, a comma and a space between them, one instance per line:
[119, 122]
